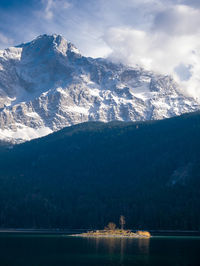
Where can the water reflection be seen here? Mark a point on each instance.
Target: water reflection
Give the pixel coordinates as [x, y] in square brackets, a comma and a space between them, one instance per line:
[121, 246]
[143, 245]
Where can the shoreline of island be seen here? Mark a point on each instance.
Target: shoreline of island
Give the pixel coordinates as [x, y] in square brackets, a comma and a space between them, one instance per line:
[77, 232]
[111, 231]
[117, 233]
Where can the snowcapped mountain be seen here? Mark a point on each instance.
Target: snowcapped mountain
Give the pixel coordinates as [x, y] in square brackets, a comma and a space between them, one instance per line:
[47, 84]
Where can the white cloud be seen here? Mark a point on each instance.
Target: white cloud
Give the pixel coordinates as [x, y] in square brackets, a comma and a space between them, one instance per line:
[4, 40]
[178, 20]
[171, 45]
[155, 51]
[161, 35]
[53, 6]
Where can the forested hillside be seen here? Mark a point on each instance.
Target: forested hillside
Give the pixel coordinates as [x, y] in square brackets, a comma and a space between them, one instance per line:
[87, 175]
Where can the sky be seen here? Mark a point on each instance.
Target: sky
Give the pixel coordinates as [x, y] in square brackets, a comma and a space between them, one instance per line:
[159, 35]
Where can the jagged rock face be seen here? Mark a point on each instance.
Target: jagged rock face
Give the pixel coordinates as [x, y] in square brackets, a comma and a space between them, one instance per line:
[47, 84]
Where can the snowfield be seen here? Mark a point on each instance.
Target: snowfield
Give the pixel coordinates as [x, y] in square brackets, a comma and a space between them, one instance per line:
[47, 84]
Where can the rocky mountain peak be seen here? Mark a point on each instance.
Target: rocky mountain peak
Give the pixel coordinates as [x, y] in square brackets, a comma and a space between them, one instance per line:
[47, 84]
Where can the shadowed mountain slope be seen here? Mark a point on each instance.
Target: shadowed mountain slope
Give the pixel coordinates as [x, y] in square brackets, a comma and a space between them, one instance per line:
[87, 175]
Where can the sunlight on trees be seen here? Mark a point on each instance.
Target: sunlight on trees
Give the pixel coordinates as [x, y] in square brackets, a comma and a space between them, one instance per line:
[110, 226]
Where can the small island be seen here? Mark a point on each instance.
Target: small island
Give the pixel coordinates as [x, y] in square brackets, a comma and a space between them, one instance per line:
[111, 231]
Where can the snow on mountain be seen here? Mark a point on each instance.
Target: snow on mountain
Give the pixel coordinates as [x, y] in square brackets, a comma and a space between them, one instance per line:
[47, 84]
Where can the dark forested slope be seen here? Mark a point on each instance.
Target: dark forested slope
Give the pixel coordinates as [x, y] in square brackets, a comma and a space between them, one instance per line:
[86, 175]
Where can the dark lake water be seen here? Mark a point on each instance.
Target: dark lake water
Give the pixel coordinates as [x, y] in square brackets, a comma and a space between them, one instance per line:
[17, 249]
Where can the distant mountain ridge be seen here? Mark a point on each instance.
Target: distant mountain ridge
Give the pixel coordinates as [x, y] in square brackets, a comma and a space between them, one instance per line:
[46, 85]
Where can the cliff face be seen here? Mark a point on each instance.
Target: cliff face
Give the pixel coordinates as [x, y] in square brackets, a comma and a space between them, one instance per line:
[47, 84]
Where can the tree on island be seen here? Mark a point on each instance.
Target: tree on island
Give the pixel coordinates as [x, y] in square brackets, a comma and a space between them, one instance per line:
[122, 222]
[110, 226]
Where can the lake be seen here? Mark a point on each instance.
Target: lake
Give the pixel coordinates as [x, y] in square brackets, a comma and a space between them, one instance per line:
[38, 249]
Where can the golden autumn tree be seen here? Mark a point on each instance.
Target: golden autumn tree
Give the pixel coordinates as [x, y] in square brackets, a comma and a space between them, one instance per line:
[110, 226]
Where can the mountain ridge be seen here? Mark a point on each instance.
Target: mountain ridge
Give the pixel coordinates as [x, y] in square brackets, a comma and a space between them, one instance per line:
[46, 85]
